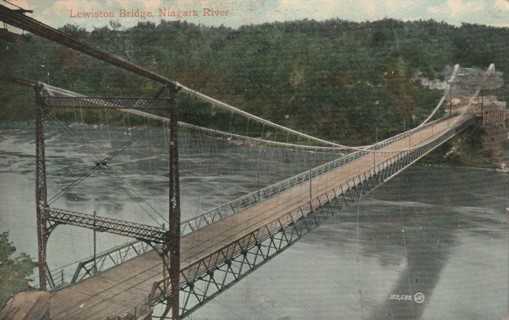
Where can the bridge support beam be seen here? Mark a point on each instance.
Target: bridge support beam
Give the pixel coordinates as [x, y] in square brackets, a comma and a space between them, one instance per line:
[172, 243]
[41, 194]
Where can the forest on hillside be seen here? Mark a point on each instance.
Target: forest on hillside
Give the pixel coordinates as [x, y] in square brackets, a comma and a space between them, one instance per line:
[344, 81]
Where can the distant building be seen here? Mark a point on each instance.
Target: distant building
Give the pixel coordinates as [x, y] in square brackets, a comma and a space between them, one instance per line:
[493, 112]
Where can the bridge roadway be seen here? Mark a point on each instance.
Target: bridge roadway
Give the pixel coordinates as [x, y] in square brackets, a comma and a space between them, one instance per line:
[117, 291]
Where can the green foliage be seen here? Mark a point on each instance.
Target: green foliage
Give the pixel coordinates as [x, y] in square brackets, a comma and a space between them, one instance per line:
[13, 271]
[466, 150]
[506, 144]
[339, 80]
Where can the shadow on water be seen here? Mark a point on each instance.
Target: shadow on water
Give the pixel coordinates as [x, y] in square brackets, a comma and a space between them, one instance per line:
[433, 215]
[427, 238]
[413, 226]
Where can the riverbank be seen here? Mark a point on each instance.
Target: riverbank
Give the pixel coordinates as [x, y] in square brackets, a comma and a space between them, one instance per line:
[473, 148]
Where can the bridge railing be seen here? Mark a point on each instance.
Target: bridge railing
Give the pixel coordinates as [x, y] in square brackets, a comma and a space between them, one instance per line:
[87, 267]
[250, 199]
[349, 191]
[79, 270]
[255, 197]
[405, 134]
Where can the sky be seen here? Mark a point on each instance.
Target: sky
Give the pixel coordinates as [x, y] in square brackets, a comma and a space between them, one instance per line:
[234, 13]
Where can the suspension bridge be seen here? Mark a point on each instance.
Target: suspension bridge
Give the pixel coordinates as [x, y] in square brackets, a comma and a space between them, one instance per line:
[189, 263]
[220, 253]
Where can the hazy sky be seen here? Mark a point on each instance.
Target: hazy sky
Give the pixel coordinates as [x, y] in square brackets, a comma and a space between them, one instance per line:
[239, 12]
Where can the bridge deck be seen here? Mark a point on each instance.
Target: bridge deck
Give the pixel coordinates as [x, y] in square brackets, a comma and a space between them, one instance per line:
[116, 291]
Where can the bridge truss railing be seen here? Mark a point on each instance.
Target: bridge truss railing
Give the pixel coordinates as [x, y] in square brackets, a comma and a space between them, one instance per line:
[213, 274]
[109, 259]
[210, 276]
[85, 268]
[250, 199]
[90, 266]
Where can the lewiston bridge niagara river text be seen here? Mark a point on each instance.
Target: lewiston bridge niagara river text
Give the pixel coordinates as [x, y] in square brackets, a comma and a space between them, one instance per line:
[144, 14]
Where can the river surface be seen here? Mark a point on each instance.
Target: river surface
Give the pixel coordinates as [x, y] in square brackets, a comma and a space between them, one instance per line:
[435, 235]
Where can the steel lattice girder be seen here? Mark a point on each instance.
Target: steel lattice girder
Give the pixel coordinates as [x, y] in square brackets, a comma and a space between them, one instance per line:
[100, 102]
[115, 256]
[120, 227]
[212, 275]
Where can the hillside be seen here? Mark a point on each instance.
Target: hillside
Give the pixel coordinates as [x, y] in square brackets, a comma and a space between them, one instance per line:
[339, 80]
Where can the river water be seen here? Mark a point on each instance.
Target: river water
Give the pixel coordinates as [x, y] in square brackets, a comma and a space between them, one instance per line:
[437, 236]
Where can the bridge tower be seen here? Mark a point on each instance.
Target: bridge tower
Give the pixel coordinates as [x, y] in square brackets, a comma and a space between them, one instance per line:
[171, 245]
[41, 194]
[48, 217]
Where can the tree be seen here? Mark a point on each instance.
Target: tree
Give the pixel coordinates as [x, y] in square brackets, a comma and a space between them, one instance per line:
[14, 272]
[398, 91]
